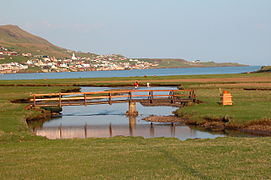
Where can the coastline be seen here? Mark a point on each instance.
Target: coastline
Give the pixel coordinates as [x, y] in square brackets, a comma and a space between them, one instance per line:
[21, 72]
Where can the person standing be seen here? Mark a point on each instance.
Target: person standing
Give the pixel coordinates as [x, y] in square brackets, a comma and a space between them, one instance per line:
[136, 84]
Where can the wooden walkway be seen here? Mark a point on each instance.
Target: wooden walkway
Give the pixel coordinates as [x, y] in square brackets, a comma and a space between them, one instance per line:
[109, 97]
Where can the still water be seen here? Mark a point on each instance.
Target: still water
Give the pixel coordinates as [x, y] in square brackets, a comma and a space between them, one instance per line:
[110, 120]
[129, 73]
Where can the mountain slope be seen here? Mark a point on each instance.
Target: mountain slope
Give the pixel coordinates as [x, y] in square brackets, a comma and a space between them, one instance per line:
[13, 37]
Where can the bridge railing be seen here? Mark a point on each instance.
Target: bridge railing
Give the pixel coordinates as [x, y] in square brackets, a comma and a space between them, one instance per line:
[60, 99]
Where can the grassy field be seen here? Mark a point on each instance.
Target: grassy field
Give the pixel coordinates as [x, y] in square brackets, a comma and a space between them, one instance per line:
[137, 158]
[26, 156]
[249, 107]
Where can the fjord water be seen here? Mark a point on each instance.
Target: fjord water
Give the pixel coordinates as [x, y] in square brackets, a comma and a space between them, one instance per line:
[110, 120]
[129, 73]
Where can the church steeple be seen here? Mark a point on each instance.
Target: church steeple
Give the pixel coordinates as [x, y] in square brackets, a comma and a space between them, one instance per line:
[73, 56]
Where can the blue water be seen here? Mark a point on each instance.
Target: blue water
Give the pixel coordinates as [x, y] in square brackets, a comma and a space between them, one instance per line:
[129, 73]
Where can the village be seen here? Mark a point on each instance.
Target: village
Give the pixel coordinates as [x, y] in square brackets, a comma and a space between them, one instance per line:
[44, 63]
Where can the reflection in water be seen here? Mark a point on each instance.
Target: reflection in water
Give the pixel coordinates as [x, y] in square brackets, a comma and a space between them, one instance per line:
[152, 130]
[110, 120]
[144, 130]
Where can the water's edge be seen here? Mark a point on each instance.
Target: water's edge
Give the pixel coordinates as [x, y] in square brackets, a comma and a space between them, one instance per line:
[130, 73]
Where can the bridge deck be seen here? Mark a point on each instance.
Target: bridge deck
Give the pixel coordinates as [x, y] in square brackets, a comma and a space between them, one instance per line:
[109, 97]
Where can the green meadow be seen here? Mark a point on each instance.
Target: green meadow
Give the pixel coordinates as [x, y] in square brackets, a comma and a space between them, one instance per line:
[26, 156]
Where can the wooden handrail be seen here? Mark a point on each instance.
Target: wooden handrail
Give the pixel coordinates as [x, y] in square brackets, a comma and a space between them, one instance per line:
[103, 97]
[106, 92]
[60, 98]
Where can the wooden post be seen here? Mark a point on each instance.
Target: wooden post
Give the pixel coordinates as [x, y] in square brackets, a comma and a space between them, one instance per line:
[60, 104]
[132, 109]
[109, 99]
[132, 124]
[193, 96]
[151, 96]
[190, 95]
[130, 96]
[34, 100]
[171, 94]
[85, 99]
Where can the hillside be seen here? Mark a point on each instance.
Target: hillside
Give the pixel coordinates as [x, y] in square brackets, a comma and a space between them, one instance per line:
[174, 63]
[13, 37]
[264, 69]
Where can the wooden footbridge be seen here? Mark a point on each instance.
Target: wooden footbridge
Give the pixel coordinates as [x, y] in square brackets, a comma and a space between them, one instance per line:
[177, 97]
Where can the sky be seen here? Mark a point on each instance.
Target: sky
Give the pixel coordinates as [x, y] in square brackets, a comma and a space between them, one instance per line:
[207, 30]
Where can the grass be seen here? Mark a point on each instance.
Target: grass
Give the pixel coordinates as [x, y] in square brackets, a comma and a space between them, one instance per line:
[137, 158]
[248, 106]
[12, 116]
[9, 59]
[26, 156]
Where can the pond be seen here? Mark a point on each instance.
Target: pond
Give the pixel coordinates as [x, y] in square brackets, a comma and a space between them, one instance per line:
[110, 120]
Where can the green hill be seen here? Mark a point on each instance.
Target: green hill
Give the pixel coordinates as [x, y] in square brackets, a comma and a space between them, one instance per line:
[265, 69]
[178, 63]
[13, 37]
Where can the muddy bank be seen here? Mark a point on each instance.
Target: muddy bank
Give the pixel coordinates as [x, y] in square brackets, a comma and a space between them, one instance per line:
[167, 102]
[260, 127]
[43, 114]
[164, 119]
[157, 103]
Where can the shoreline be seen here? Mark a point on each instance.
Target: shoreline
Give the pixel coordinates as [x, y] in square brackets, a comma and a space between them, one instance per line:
[19, 72]
[213, 125]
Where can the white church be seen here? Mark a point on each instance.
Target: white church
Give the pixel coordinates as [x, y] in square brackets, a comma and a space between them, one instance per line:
[74, 57]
